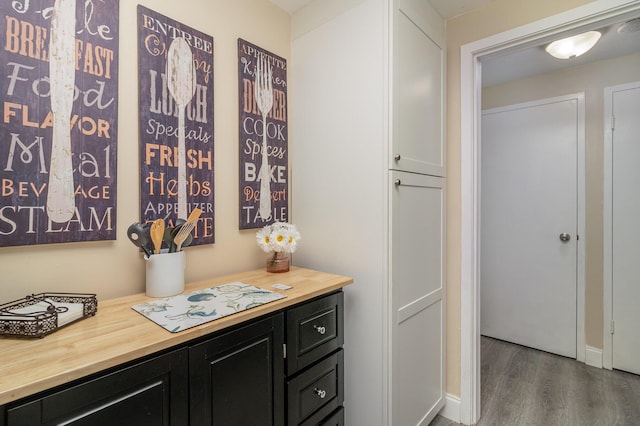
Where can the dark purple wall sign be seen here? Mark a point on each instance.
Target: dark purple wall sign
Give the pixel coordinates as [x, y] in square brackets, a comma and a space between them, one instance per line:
[71, 111]
[262, 78]
[161, 98]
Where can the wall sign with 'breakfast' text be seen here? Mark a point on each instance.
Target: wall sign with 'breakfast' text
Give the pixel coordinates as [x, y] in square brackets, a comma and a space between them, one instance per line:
[58, 149]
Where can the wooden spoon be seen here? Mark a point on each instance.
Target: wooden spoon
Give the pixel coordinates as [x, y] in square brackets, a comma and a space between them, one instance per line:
[157, 233]
[195, 215]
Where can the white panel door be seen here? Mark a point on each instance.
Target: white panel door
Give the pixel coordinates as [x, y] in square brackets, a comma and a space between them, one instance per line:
[417, 240]
[529, 197]
[626, 229]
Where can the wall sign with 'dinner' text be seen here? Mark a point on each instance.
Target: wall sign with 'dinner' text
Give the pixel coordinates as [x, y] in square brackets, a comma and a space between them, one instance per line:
[264, 168]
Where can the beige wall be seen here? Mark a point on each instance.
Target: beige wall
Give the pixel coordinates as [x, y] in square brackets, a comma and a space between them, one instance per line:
[498, 16]
[115, 268]
[590, 79]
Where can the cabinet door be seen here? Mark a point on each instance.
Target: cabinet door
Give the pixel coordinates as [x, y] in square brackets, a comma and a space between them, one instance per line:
[237, 378]
[151, 393]
[418, 87]
[417, 238]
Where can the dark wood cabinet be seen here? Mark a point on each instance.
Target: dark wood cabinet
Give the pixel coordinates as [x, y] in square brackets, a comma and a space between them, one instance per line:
[153, 392]
[315, 360]
[237, 378]
[335, 419]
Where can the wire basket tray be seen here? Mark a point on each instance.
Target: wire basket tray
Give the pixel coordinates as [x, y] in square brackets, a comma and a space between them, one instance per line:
[37, 315]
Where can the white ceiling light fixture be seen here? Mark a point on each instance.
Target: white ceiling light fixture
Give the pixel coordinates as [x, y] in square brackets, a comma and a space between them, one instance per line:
[572, 47]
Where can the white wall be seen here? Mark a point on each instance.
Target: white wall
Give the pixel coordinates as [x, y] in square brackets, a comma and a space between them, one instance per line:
[338, 125]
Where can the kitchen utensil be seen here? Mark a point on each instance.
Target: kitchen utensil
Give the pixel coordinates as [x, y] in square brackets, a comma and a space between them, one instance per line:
[168, 238]
[62, 73]
[263, 93]
[157, 233]
[185, 230]
[183, 233]
[195, 215]
[174, 232]
[170, 232]
[181, 81]
[139, 236]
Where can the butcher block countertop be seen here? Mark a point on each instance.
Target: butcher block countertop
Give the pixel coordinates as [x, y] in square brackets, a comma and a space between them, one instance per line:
[118, 334]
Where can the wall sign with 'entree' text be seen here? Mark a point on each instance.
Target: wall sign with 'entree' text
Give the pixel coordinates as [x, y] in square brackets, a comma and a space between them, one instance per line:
[175, 65]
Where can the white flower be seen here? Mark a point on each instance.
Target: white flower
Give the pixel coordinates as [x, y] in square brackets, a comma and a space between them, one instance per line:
[278, 237]
[263, 237]
[292, 237]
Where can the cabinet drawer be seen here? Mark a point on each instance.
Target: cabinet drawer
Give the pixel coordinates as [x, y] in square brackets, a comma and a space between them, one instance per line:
[314, 330]
[316, 392]
[335, 419]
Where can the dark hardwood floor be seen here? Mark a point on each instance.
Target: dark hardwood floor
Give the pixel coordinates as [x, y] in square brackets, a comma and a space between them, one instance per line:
[523, 386]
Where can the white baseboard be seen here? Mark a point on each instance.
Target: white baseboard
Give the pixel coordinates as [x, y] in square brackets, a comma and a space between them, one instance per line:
[593, 357]
[451, 409]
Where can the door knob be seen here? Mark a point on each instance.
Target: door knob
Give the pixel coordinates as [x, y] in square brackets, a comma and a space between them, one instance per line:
[564, 237]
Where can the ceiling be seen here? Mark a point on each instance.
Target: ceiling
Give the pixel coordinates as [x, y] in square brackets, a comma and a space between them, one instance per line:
[518, 63]
[521, 63]
[446, 8]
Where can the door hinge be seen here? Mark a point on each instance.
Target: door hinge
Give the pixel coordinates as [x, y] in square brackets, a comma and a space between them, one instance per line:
[613, 123]
[612, 329]
[284, 350]
[577, 237]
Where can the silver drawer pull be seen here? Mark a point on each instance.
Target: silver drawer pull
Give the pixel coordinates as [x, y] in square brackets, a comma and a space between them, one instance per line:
[320, 330]
[321, 393]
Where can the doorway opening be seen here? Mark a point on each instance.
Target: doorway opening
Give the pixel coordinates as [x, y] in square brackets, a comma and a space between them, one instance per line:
[587, 17]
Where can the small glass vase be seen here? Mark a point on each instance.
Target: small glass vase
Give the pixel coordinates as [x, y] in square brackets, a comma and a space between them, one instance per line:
[279, 262]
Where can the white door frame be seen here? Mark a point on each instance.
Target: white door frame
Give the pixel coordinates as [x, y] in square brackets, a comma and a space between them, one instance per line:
[589, 16]
[607, 350]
